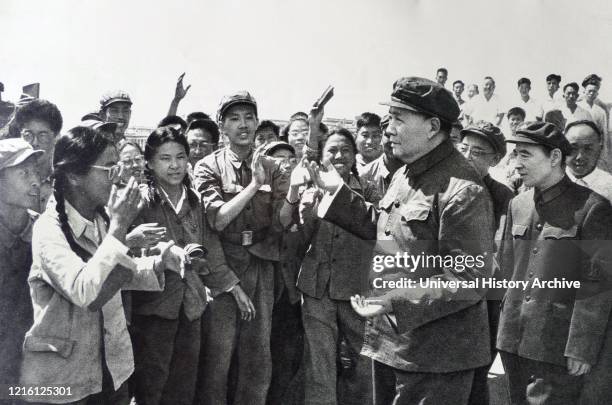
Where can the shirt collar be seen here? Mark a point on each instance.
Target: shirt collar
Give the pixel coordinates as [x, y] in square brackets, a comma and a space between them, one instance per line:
[233, 158]
[426, 162]
[79, 225]
[8, 238]
[552, 192]
[382, 167]
[181, 200]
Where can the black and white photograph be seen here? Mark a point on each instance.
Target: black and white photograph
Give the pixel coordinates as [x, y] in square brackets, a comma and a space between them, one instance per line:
[342, 202]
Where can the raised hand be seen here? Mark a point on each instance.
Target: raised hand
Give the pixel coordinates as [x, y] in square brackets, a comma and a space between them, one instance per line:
[180, 91]
[145, 236]
[326, 178]
[123, 207]
[257, 166]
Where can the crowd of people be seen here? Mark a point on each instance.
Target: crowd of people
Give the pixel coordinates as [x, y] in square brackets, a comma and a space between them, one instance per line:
[230, 260]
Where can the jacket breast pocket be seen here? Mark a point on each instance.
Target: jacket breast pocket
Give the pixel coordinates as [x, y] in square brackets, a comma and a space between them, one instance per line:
[413, 222]
[519, 231]
[553, 232]
[63, 347]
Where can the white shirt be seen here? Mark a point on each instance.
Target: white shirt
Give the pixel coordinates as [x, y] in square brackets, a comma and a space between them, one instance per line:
[578, 114]
[553, 103]
[479, 108]
[598, 180]
[533, 109]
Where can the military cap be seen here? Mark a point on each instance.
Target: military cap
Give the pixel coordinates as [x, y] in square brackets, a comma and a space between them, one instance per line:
[489, 133]
[277, 145]
[553, 76]
[425, 96]
[114, 96]
[541, 133]
[384, 122]
[15, 151]
[241, 97]
[93, 115]
[99, 125]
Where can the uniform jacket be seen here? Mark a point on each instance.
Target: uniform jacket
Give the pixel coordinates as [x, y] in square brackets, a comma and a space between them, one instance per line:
[562, 232]
[437, 206]
[188, 226]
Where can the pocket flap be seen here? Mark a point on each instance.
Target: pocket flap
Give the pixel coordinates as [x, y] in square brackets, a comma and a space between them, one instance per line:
[551, 232]
[385, 203]
[61, 346]
[519, 230]
[414, 212]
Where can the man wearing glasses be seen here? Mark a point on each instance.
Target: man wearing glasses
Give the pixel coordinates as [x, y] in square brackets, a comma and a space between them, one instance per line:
[483, 146]
[38, 123]
[203, 138]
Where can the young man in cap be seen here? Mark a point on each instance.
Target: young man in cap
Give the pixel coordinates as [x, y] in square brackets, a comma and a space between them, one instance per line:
[39, 122]
[482, 144]
[116, 106]
[267, 132]
[570, 109]
[533, 110]
[241, 197]
[551, 334]
[376, 175]
[367, 138]
[486, 107]
[441, 76]
[425, 342]
[20, 185]
[591, 85]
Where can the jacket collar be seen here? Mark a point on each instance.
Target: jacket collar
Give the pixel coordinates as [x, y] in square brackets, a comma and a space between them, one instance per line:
[431, 159]
[8, 238]
[552, 192]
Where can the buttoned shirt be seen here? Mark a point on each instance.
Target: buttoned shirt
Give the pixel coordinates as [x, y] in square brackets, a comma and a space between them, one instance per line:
[436, 205]
[15, 302]
[533, 109]
[63, 347]
[219, 177]
[598, 180]
[479, 108]
[552, 103]
[578, 114]
[558, 233]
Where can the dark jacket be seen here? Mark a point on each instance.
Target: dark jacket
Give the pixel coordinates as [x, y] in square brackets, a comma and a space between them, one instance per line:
[562, 232]
[435, 206]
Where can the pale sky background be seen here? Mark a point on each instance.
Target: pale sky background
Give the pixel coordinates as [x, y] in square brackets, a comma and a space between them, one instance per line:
[286, 52]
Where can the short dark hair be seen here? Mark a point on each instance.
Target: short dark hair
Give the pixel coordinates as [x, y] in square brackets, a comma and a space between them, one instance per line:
[206, 125]
[589, 124]
[591, 79]
[197, 115]
[443, 70]
[489, 78]
[172, 120]
[133, 144]
[37, 109]
[267, 124]
[553, 76]
[517, 111]
[368, 119]
[573, 85]
[524, 80]
[458, 81]
[351, 139]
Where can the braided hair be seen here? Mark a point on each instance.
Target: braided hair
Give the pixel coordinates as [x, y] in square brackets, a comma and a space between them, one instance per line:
[74, 153]
[156, 139]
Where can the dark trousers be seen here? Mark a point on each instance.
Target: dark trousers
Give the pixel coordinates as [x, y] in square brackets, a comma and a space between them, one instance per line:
[287, 347]
[597, 387]
[538, 383]
[226, 339]
[397, 387]
[480, 388]
[324, 319]
[166, 355]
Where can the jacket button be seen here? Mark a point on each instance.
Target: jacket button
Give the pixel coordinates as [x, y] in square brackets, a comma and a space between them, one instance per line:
[397, 204]
[387, 232]
[527, 298]
[531, 274]
[535, 250]
[539, 227]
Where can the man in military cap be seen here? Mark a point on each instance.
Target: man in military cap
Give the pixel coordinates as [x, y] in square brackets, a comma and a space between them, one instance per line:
[551, 334]
[425, 342]
[241, 197]
[20, 185]
[116, 106]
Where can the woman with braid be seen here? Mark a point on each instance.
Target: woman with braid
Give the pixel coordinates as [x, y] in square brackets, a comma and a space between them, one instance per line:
[166, 324]
[79, 340]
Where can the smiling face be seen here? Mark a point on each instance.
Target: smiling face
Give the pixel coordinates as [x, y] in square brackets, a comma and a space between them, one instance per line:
[239, 124]
[488, 88]
[298, 135]
[132, 162]
[20, 185]
[586, 149]
[368, 142]
[340, 153]
[118, 112]
[169, 164]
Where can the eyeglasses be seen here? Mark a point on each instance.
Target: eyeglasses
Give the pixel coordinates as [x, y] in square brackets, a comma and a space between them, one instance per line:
[137, 161]
[114, 171]
[464, 149]
[202, 145]
[42, 137]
